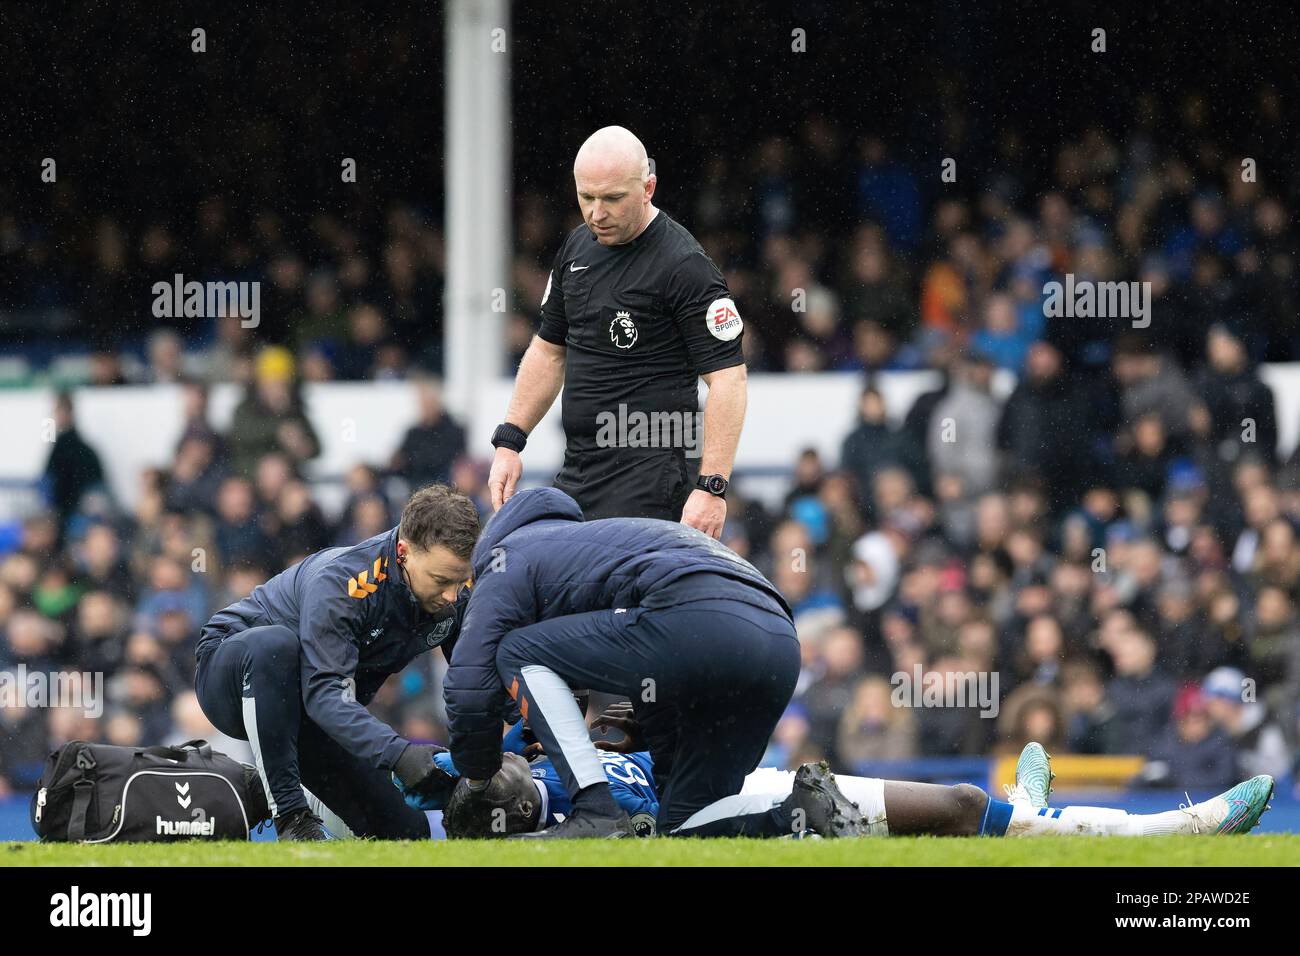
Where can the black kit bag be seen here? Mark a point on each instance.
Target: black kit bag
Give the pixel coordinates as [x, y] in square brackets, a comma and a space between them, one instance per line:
[100, 793]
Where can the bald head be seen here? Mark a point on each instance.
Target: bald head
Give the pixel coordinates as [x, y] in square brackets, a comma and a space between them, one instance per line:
[612, 152]
[612, 175]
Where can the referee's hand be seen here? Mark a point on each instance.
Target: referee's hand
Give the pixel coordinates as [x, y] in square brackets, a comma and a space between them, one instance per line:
[706, 512]
[504, 476]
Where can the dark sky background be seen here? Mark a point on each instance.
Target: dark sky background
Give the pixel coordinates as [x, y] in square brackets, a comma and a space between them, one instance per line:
[143, 128]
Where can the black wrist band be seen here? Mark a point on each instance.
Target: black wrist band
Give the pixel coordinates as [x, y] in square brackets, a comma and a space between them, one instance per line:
[509, 436]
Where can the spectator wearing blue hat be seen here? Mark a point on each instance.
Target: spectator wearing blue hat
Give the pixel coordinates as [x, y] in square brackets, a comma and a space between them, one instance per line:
[1260, 744]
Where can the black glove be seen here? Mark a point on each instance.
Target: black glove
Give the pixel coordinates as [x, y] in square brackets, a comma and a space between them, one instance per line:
[419, 776]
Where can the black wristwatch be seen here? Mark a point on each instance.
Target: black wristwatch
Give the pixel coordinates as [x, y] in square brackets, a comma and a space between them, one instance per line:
[714, 484]
[509, 436]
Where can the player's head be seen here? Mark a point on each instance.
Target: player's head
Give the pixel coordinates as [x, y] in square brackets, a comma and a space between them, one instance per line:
[615, 185]
[511, 804]
[434, 542]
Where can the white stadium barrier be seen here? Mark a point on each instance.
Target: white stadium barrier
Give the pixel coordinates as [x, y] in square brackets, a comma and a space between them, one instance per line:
[136, 427]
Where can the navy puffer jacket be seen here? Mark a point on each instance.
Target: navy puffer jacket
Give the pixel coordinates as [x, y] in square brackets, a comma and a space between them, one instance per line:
[536, 560]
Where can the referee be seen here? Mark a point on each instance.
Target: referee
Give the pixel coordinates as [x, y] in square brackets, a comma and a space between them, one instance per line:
[633, 315]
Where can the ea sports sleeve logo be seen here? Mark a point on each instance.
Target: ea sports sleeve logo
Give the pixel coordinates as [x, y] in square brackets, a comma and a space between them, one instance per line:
[622, 331]
[723, 320]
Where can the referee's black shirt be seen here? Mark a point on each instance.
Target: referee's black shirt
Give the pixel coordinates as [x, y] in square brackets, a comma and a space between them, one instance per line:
[640, 322]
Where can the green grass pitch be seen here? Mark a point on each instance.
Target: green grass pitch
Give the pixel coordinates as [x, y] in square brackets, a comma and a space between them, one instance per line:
[1258, 850]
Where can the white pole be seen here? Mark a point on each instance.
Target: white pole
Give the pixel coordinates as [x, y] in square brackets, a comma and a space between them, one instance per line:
[478, 237]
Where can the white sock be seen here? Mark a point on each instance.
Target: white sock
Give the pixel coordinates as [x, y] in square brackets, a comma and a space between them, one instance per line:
[1154, 824]
[1093, 821]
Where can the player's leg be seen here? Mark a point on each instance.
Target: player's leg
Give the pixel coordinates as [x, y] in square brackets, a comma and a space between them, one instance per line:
[840, 805]
[928, 808]
[781, 804]
[898, 807]
[964, 809]
[248, 686]
[967, 810]
[1237, 810]
[961, 810]
[870, 806]
[865, 806]
[359, 795]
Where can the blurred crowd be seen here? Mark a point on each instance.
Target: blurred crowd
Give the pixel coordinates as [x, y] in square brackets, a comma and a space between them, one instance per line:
[89, 587]
[1133, 593]
[1119, 554]
[1115, 536]
[847, 252]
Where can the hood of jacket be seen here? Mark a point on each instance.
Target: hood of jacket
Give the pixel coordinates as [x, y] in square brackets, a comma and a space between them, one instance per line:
[525, 508]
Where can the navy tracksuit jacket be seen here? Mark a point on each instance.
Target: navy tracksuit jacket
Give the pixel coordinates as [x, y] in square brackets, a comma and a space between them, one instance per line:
[544, 576]
[291, 667]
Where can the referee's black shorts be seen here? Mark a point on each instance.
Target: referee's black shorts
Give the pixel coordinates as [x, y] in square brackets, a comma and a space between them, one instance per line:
[620, 485]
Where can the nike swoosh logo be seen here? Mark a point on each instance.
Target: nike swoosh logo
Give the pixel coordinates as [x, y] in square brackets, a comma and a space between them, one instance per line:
[574, 267]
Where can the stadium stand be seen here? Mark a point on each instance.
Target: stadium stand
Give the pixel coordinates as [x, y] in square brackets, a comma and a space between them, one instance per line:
[1117, 537]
